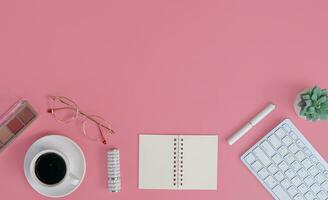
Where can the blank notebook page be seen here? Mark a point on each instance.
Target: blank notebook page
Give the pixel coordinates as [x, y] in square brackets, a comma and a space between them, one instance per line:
[155, 161]
[178, 162]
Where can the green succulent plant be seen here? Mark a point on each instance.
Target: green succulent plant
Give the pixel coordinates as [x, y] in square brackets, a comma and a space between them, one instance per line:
[314, 104]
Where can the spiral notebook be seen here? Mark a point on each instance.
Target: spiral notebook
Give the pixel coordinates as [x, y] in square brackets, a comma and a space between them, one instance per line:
[178, 162]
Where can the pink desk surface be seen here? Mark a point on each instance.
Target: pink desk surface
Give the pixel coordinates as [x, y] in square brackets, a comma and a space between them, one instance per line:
[174, 66]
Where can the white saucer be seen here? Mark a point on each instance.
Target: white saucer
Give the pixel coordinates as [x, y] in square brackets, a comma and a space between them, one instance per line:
[74, 155]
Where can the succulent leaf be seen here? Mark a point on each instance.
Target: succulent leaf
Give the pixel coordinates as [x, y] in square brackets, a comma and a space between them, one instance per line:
[305, 97]
[314, 96]
[322, 99]
[308, 103]
[311, 109]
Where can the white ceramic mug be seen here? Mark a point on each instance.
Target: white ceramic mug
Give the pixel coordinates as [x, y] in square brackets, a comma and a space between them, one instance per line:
[71, 178]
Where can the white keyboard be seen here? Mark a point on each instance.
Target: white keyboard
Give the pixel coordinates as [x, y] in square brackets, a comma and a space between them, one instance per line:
[287, 165]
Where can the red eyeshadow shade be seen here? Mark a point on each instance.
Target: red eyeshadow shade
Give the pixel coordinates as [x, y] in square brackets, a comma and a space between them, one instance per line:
[15, 125]
[26, 115]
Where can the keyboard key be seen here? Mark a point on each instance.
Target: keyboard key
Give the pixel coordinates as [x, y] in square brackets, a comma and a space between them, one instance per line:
[296, 181]
[290, 173]
[273, 169]
[262, 156]
[296, 165]
[314, 159]
[309, 196]
[293, 135]
[309, 180]
[298, 197]
[250, 158]
[324, 185]
[286, 128]
[307, 163]
[302, 173]
[279, 176]
[275, 142]
[325, 173]
[303, 188]
[307, 151]
[320, 178]
[270, 181]
[287, 140]
[268, 148]
[263, 173]
[313, 170]
[257, 166]
[292, 191]
[300, 155]
[322, 195]
[280, 133]
[320, 167]
[315, 188]
[289, 158]
[277, 158]
[286, 183]
[283, 150]
[283, 166]
[294, 148]
[300, 144]
[280, 193]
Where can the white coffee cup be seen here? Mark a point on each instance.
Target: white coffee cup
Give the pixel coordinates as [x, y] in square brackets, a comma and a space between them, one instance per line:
[71, 178]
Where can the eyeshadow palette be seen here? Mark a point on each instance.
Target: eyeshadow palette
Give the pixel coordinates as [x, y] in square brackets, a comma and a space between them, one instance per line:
[15, 121]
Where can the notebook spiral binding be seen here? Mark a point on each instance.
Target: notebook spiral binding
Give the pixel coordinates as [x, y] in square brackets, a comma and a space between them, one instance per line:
[113, 170]
[178, 162]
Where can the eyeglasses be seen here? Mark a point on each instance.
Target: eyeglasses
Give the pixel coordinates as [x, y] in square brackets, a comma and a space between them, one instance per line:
[65, 110]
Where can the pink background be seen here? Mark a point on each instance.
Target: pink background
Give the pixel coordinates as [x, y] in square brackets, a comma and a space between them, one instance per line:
[174, 66]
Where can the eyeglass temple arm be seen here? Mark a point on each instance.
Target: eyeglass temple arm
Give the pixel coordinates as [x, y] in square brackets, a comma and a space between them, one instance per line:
[99, 124]
[102, 136]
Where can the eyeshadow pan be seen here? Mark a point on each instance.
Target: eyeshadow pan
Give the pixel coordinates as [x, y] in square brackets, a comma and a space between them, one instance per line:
[26, 115]
[5, 135]
[15, 125]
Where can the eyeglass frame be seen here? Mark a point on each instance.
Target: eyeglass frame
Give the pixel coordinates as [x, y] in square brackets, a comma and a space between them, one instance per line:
[78, 112]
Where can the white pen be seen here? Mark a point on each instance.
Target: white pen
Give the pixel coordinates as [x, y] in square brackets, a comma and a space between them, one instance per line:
[261, 115]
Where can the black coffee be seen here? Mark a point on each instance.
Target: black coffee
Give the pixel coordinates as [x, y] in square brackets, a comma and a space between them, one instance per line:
[50, 168]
